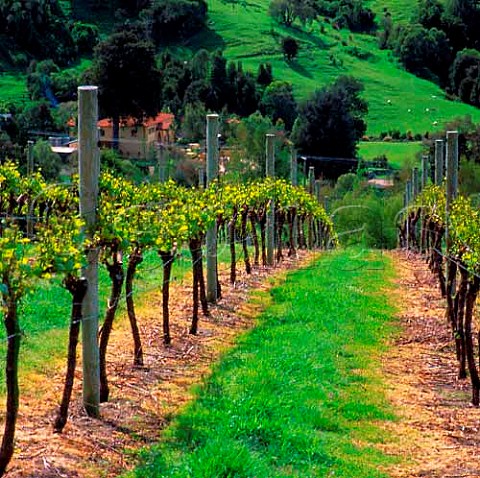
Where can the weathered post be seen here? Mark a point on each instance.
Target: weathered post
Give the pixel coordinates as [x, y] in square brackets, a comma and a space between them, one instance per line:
[294, 181]
[451, 194]
[293, 167]
[270, 173]
[162, 167]
[201, 178]
[452, 180]
[415, 183]
[425, 161]
[408, 200]
[30, 157]
[439, 161]
[211, 236]
[311, 179]
[29, 173]
[318, 189]
[89, 170]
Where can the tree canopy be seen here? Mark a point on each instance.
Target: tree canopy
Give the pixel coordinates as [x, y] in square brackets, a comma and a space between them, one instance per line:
[331, 122]
[125, 71]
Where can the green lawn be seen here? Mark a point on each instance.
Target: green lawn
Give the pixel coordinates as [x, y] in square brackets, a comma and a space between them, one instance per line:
[397, 99]
[301, 394]
[397, 153]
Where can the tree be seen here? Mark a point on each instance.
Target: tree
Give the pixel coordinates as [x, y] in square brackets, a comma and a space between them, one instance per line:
[331, 122]
[464, 76]
[46, 160]
[265, 75]
[174, 19]
[424, 52]
[219, 91]
[387, 26]
[287, 11]
[429, 13]
[289, 48]
[278, 102]
[124, 70]
[193, 124]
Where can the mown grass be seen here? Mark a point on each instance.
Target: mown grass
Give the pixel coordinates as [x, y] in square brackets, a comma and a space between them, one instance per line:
[396, 153]
[397, 99]
[300, 395]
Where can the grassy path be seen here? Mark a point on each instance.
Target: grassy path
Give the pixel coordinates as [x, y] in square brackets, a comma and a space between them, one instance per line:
[301, 395]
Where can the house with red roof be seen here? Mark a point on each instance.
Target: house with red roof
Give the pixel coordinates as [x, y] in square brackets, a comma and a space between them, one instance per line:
[137, 139]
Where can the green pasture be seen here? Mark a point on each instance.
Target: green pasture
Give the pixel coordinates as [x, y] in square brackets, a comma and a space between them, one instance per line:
[301, 394]
[396, 153]
[13, 88]
[397, 99]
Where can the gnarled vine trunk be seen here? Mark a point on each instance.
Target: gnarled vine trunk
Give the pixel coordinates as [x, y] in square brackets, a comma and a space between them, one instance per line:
[77, 286]
[134, 260]
[167, 261]
[12, 328]
[116, 274]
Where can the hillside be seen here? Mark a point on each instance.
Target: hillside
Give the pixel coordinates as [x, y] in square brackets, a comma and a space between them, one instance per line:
[398, 100]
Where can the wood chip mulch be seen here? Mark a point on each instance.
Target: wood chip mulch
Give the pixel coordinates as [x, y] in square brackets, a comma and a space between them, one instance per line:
[438, 433]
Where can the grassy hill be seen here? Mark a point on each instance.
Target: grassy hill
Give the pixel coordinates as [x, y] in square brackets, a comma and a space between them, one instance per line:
[398, 100]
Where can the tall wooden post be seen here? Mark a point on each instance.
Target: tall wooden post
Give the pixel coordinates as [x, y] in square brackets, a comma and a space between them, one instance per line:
[425, 161]
[452, 180]
[89, 170]
[439, 161]
[293, 167]
[270, 173]
[408, 200]
[201, 178]
[408, 191]
[311, 180]
[29, 173]
[317, 190]
[30, 157]
[415, 183]
[294, 181]
[162, 167]
[211, 236]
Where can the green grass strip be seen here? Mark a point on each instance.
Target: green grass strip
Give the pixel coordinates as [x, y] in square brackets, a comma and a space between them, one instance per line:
[301, 394]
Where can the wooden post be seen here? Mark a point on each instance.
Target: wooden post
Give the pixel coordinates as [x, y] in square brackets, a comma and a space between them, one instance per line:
[408, 191]
[270, 173]
[30, 157]
[317, 190]
[201, 178]
[29, 173]
[294, 181]
[452, 180]
[415, 183]
[162, 167]
[311, 180]
[425, 161]
[439, 161]
[293, 167]
[211, 236]
[89, 170]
